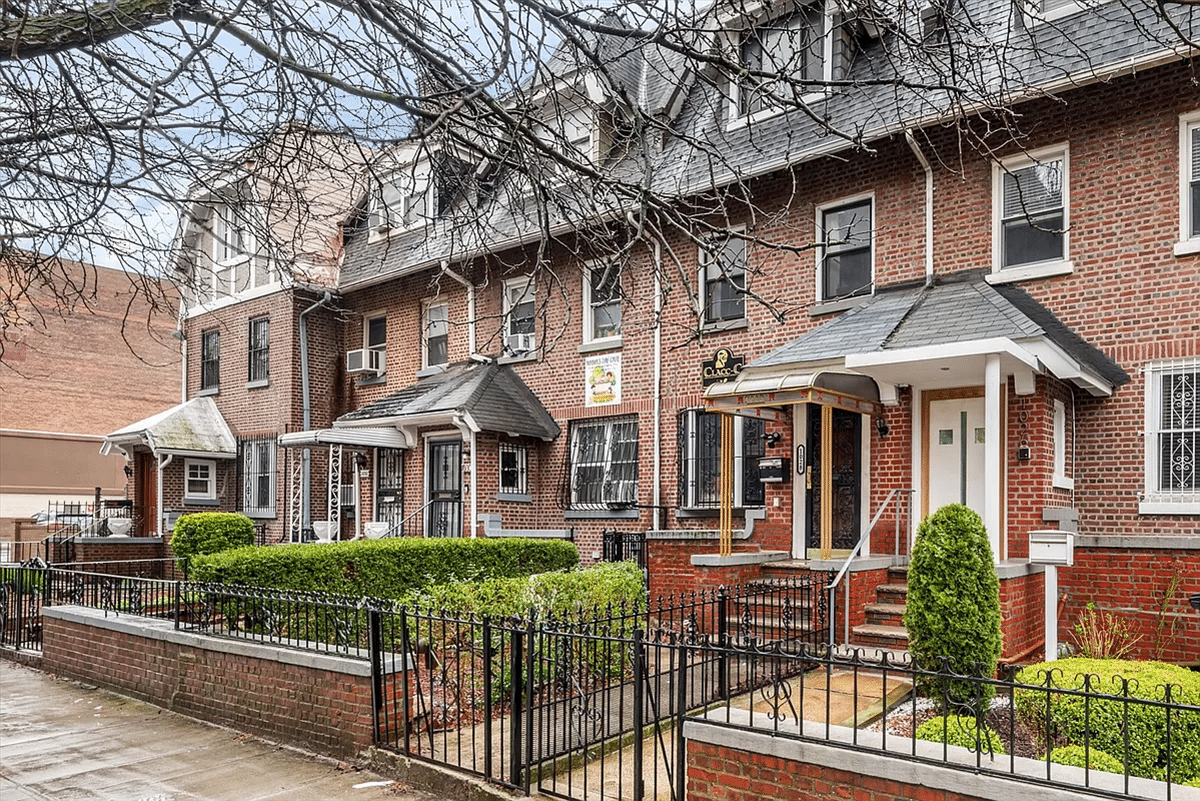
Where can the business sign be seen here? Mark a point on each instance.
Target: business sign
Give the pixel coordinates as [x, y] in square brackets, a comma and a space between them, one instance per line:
[723, 366]
[602, 379]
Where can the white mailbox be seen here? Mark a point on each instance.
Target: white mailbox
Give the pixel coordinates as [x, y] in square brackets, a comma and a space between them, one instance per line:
[1052, 548]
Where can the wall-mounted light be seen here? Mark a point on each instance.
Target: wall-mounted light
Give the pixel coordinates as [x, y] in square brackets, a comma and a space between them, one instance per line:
[881, 426]
[772, 439]
[360, 459]
[128, 471]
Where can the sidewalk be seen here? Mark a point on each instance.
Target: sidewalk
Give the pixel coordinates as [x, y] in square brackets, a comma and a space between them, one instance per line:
[66, 741]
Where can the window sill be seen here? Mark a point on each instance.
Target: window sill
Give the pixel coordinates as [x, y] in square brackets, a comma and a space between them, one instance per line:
[601, 514]
[701, 514]
[1008, 275]
[832, 306]
[725, 325]
[515, 497]
[200, 501]
[1169, 508]
[372, 381]
[208, 391]
[1187, 247]
[261, 515]
[520, 359]
[262, 382]
[739, 120]
[1063, 482]
[597, 345]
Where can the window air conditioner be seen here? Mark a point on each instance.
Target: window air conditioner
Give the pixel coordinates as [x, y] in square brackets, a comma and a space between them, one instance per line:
[364, 360]
[518, 344]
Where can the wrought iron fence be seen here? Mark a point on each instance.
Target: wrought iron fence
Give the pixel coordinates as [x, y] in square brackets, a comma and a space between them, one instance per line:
[21, 593]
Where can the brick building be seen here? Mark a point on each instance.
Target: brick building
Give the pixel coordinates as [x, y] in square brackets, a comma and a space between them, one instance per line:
[892, 325]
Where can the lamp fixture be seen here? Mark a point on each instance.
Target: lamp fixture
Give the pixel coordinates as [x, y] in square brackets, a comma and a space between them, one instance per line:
[882, 427]
[128, 471]
[772, 439]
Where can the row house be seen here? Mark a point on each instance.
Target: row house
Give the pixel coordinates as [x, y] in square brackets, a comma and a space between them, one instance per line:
[855, 331]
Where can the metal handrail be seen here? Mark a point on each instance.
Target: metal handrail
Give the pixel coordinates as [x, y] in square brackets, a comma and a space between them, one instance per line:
[864, 537]
[400, 525]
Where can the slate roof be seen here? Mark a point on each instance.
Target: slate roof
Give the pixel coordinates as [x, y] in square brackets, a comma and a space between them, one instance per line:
[195, 426]
[493, 394]
[957, 308]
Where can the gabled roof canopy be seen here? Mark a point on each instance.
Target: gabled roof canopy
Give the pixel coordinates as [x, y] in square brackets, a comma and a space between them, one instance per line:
[193, 428]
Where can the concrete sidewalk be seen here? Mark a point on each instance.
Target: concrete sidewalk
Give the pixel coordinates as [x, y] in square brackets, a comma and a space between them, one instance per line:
[66, 741]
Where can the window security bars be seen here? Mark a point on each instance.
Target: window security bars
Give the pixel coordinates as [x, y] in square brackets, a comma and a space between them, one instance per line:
[603, 468]
[259, 352]
[514, 469]
[256, 475]
[210, 360]
[1179, 432]
[699, 455]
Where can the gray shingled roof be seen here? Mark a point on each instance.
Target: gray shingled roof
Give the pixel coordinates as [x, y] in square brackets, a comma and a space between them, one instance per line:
[956, 308]
[192, 427]
[493, 394]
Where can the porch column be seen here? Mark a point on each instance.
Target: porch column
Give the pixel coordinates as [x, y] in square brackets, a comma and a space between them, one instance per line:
[992, 449]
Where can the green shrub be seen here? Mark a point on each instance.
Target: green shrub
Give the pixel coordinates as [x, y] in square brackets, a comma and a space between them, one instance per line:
[210, 532]
[1105, 717]
[388, 568]
[1095, 759]
[960, 730]
[953, 610]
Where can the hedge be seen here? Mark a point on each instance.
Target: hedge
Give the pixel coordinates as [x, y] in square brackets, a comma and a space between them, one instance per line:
[210, 532]
[387, 568]
[1094, 758]
[960, 730]
[1147, 728]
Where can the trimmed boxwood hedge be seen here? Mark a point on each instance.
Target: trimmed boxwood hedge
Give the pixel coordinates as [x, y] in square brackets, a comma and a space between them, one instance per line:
[210, 532]
[388, 568]
[962, 731]
[1076, 756]
[1147, 732]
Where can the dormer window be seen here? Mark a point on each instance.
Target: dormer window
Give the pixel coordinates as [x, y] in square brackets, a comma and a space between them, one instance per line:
[404, 200]
[229, 264]
[232, 238]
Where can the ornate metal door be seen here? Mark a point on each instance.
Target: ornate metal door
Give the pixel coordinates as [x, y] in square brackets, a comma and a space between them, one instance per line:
[389, 486]
[443, 483]
[846, 472]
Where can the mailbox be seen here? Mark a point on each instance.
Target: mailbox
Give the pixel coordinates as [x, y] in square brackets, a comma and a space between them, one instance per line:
[1051, 548]
[774, 469]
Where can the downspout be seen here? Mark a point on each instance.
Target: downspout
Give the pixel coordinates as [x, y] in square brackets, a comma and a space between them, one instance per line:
[470, 310]
[306, 406]
[469, 435]
[916, 149]
[658, 302]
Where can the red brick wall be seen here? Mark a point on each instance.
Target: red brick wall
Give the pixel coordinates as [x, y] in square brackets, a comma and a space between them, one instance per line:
[321, 710]
[716, 773]
[1022, 615]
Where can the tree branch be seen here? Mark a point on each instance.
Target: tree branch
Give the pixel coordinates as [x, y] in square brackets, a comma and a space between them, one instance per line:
[28, 37]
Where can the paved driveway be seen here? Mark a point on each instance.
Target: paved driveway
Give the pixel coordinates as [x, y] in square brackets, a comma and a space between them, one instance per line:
[69, 742]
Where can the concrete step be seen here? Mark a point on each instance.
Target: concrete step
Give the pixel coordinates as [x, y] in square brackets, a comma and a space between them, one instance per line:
[870, 634]
[787, 567]
[898, 574]
[892, 594]
[885, 614]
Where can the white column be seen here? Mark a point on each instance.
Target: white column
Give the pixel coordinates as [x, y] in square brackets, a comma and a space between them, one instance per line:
[992, 450]
[1051, 613]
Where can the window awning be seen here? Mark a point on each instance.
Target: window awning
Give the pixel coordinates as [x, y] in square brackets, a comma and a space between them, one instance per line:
[852, 391]
[355, 437]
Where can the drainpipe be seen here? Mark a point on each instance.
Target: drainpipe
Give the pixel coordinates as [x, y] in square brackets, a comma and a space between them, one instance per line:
[469, 435]
[183, 353]
[306, 406]
[470, 308]
[658, 301]
[916, 149]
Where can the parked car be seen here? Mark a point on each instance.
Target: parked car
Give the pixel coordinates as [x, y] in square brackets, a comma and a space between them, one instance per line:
[60, 520]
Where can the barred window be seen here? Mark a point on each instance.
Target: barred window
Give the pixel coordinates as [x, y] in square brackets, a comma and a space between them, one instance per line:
[210, 360]
[257, 463]
[260, 349]
[604, 463]
[514, 470]
[1173, 435]
[699, 456]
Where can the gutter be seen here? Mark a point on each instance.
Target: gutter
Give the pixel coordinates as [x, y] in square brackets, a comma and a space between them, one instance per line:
[306, 405]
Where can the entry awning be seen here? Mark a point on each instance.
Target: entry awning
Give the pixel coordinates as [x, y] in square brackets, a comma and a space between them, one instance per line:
[354, 437]
[846, 390]
[193, 428]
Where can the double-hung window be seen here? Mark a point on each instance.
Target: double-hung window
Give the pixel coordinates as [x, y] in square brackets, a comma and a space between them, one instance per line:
[258, 476]
[437, 334]
[259, 351]
[200, 480]
[404, 200]
[375, 341]
[1189, 184]
[784, 59]
[232, 247]
[519, 312]
[1032, 202]
[700, 457]
[1172, 437]
[601, 302]
[604, 463]
[846, 266]
[723, 281]
[210, 360]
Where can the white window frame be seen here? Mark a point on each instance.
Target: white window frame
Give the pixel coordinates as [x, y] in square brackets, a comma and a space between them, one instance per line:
[1154, 499]
[1061, 478]
[366, 337]
[626, 494]
[690, 452]
[704, 258]
[518, 292]
[254, 467]
[737, 117]
[1189, 172]
[385, 220]
[821, 251]
[208, 466]
[427, 322]
[589, 310]
[1061, 265]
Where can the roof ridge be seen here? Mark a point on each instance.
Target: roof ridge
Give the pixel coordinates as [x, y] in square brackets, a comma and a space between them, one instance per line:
[916, 304]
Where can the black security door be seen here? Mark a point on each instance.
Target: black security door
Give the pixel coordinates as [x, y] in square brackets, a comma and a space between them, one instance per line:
[444, 489]
[845, 451]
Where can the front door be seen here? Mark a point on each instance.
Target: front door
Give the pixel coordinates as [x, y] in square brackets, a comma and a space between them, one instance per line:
[844, 441]
[443, 485]
[954, 439]
[389, 487]
[146, 493]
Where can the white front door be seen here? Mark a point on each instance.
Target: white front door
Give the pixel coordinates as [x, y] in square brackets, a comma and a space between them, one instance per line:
[955, 441]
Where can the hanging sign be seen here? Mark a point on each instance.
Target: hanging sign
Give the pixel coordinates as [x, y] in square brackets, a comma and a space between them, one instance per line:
[602, 379]
[723, 366]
